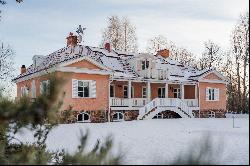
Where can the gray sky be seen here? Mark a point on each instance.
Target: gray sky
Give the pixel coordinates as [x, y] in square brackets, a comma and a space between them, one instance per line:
[39, 27]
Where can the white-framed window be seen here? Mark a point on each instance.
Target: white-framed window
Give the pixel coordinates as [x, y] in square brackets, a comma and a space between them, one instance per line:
[118, 116]
[125, 91]
[161, 92]
[177, 93]
[211, 114]
[83, 117]
[158, 116]
[112, 90]
[24, 91]
[144, 92]
[83, 88]
[144, 64]
[44, 87]
[212, 94]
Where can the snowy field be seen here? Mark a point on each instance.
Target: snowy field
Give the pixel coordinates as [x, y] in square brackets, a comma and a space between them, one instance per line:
[157, 141]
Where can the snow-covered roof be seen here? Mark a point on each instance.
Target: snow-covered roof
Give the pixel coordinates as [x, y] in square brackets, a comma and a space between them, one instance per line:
[117, 61]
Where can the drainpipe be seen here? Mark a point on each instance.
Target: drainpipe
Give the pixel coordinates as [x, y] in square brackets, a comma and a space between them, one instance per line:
[109, 97]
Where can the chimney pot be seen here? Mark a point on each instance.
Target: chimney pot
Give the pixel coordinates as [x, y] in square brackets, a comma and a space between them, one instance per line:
[164, 53]
[23, 69]
[71, 40]
[107, 47]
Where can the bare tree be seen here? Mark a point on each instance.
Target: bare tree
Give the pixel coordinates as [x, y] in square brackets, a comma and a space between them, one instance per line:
[156, 44]
[120, 34]
[6, 65]
[211, 57]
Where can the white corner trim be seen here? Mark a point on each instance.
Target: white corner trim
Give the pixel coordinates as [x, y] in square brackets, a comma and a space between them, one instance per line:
[87, 59]
[82, 70]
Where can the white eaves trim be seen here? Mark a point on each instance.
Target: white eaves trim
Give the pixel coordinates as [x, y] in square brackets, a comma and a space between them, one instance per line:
[82, 70]
[224, 79]
[87, 59]
[34, 75]
[214, 81]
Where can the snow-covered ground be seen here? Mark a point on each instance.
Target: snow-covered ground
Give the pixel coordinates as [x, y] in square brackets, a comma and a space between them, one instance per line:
[157, 141]
[230, 115]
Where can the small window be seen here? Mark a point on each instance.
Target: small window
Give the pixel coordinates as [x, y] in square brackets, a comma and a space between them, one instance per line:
[145, 64]
[24, 91]
[212, 94]
[118, 116]
[158, 116]
[83, 117]
[211, 114]
[112, 91]
[83, 89]
[44, 87]
[177, 93]
[125, 91]
[161, 92]
[144, 92]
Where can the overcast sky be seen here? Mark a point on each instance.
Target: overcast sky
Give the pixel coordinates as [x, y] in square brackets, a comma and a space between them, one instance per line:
[39, 27]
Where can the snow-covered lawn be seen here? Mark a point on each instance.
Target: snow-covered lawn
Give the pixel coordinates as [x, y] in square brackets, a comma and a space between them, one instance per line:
[154, 141]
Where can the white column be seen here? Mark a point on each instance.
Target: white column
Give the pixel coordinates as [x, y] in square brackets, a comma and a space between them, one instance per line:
[129, 89]
[166, 90]
[182, 91]
[129, 93]
[148, 91]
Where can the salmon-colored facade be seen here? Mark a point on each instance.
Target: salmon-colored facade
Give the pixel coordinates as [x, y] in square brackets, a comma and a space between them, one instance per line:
[97, 93]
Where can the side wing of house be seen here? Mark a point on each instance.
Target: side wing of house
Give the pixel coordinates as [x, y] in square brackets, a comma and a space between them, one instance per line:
[213, 97]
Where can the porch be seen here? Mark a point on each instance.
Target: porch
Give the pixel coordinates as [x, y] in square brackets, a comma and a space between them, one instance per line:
[132, 95]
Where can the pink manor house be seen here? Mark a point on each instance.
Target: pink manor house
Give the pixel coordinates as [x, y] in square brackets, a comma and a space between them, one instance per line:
[104, 85]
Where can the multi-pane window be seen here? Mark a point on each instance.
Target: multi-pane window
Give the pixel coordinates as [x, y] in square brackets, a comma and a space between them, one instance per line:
[177, 93]
[24, 91]
[112, 91]
[161, 92]
[144, 92]
[125, 91]
[145, 64]
[212, 94]
[44, 87]
[83, 89]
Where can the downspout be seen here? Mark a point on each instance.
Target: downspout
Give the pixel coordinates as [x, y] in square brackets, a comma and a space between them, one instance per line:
[199, 100]
[112, 75]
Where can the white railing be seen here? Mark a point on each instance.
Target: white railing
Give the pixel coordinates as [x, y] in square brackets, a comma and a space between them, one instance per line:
[191, 102]
[165, 102]
[125, 102]
[154, 73]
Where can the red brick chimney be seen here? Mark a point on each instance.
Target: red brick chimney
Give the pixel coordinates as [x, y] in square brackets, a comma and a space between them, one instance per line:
[107, 47]
[164, 53]
[71, 39]
[23, 69]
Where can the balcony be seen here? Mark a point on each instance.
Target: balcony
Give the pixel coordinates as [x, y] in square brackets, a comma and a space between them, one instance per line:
[154, 74]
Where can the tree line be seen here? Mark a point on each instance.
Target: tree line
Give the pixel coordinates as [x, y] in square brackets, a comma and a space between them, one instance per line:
[232, 63]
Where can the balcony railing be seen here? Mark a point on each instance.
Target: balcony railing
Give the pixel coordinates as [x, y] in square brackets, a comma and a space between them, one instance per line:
[140, 102]
[191, 102]
[154, 74]
[125, 102]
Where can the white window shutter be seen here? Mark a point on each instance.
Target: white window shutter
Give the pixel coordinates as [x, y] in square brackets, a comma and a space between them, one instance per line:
[93, 89]
[33, 89]
[139, 65]
[74, 88]
[41, 88]
[217, 94]
[207, 94]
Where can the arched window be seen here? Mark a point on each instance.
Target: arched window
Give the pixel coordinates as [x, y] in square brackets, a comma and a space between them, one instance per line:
[83, 117]
[118, 116]
[211, 114]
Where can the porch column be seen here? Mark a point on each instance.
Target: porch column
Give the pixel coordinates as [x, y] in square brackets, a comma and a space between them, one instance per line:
[129, 89]
[148, 91]
[129, 94]
[166, 90]
[182, 91]
[196, 94]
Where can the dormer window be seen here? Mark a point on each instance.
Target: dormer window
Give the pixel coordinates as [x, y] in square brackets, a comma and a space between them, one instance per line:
[145, 64]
